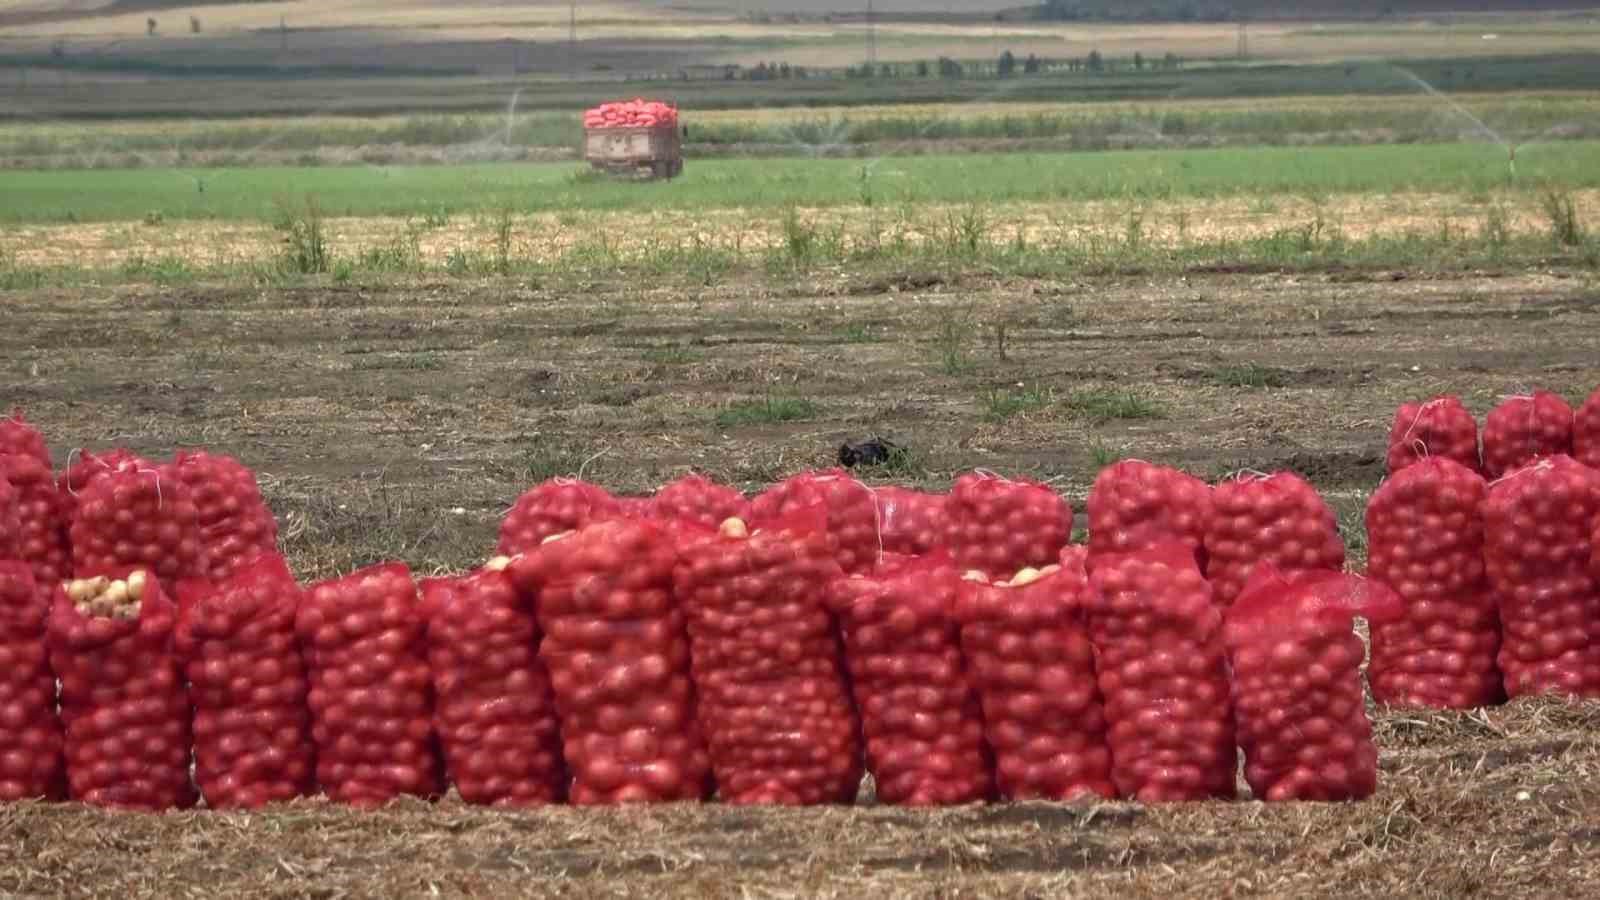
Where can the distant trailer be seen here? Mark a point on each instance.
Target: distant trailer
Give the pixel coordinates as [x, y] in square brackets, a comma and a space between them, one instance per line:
[644, 151]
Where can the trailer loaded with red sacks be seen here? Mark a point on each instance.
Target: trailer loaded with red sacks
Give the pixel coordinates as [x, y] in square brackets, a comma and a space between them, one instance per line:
[634, 137]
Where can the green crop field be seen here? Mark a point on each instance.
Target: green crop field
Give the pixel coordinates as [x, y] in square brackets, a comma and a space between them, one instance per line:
[253, 193]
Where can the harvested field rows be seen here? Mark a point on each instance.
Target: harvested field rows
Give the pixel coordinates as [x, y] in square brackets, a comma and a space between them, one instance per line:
[376, 411]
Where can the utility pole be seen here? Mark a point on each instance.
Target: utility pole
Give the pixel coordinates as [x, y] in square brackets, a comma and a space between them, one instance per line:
[572, 41]
[1244, 40]
[872, 37]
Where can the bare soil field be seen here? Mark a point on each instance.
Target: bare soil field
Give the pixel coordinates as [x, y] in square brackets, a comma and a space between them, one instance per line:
[401, 419]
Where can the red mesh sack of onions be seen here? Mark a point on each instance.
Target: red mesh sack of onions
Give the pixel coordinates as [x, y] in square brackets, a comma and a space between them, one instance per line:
[774, 702]
[493, 709]
[1029, 657]
[1425, 541]
[21, 438]
[1586, 432]
[1594, 552]
[1439, 427]
[31, 763]
[370, 691]
[618, 657]
[235, 523]
[635, 508]
[83, 466]
[1135, 505]
[1277, 519]
[10, 523]
[912, 522]
[123, 702]
[1298, 704]
[134, 515]
[1539, 524]
[919, 714]
[252, 729]
[40, 530]
[1523, 429]
[1075, 558]
[999, 526]
[695, 498]
[852, 513]
[1162, 666]
[554, 507]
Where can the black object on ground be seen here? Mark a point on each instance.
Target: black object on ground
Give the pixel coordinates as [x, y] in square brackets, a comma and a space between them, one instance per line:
[873, 452]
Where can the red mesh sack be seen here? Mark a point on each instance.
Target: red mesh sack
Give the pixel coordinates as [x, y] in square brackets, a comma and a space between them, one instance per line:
[1298, 704]
[635, 508]
[370, 691]
[136, 516]
[21, 438]
[697, 499]
[1440, 427]
[1074, 557]
[252, 728]
[912, 522]
[84, 466]
[123, 702]
[493, 708]
[1425, 542]
[1539, 523]
[767, 662]
[41, 526]
[1162, 666]
[10, 523]
[1425, 536]
[1028, 652]
[554, 507]
[1135, 505]
[618, 657]
[31, 763]
[1279, 519]
[919, 714]
[1523, 429]
[235, 524]
[998, 526]
[1586, 432]
[1594, 557]
[852, 513]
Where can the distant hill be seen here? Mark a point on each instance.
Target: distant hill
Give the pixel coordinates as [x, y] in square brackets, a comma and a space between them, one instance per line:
[1265, 10]
[15, 12]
